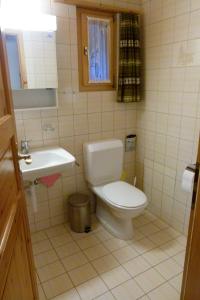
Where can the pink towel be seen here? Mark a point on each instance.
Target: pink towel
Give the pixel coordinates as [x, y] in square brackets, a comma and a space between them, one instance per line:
[50, 180]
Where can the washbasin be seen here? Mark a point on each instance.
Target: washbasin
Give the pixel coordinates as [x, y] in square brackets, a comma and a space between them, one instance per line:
[46, 161]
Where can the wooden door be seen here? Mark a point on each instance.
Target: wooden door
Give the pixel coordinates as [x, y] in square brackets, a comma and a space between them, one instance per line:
[17, 276]
[191, 275]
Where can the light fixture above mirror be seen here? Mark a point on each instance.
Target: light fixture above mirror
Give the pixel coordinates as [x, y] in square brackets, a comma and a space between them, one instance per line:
[25, 15]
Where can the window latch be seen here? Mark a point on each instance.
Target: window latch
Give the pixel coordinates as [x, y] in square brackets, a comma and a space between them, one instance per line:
[85, 51]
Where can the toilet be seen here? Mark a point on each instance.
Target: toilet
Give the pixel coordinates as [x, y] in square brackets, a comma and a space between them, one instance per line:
[118, 202]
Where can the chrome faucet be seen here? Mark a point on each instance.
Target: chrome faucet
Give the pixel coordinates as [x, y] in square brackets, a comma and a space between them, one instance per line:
[24, 146]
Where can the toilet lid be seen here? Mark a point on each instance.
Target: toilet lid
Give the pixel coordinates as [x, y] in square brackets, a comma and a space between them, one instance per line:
[124, 194]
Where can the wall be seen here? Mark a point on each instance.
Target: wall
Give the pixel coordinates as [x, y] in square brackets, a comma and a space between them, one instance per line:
[80, 117]
[168, 120]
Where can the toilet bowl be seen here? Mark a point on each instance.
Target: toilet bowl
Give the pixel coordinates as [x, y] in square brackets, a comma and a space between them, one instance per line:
[118, 202]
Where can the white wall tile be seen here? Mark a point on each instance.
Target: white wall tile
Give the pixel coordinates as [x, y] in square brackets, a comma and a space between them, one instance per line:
[172, 61]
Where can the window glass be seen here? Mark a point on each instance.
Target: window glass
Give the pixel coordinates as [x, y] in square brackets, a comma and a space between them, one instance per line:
[98, 46]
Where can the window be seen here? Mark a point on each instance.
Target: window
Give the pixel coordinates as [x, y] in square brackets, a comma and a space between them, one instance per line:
[96, 50]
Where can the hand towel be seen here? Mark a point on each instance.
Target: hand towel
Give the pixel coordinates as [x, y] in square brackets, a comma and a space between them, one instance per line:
[49, 180]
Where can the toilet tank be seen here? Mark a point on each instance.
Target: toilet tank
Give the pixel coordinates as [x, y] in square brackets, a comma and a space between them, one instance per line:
[103, 161]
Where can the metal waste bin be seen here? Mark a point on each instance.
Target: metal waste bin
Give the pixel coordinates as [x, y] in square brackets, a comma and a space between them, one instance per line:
[79, 212]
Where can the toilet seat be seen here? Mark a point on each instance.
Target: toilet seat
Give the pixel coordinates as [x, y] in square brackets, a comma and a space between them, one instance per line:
[121, 194]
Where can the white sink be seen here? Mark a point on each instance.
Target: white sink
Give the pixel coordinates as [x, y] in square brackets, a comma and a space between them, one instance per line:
[46, 161]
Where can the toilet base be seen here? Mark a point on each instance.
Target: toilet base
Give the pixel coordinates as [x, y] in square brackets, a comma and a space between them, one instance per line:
[122, 228]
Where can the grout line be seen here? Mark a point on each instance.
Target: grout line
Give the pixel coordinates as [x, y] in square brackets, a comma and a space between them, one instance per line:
[42, 282]
[172, 284]
[167, 281]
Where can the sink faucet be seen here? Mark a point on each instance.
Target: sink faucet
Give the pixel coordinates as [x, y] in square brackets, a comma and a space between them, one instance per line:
[24, 146]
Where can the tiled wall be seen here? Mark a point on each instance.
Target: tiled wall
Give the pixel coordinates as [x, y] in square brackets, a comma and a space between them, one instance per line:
[80, 117]
[168, 120]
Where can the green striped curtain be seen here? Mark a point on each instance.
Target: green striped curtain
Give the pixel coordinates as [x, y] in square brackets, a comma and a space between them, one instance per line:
[129, 81]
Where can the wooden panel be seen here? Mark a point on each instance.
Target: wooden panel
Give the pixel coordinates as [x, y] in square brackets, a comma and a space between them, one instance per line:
[6, 132]
[2, 96]
[8, 188]
[17, 274]
[18, 284]
[98, 6]
[191, 276]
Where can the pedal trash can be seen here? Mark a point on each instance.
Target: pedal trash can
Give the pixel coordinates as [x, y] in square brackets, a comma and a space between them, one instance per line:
[79, 212]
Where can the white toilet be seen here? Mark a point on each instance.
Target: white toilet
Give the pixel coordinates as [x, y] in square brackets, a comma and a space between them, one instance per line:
[117, 202]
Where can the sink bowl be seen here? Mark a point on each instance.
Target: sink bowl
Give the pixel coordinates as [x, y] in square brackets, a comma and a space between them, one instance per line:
[46, 161]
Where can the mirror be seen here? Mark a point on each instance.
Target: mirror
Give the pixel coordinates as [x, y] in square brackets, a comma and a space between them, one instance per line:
[32, 59]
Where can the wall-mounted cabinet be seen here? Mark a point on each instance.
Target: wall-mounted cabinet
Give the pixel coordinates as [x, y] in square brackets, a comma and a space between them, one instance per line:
[33, 68]
[32, 60]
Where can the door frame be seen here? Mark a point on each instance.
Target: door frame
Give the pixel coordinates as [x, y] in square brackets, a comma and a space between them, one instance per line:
[191, 275]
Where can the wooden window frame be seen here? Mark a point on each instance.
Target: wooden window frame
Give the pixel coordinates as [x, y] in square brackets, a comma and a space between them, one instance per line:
[84, 84]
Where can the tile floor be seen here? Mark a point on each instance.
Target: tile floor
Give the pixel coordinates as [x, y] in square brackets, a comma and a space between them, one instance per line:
[96, 265]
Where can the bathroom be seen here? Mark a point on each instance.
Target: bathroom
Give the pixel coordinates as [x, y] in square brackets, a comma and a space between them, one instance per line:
[162, 125]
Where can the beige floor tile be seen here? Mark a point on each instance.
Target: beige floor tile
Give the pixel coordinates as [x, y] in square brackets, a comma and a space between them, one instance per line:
[149, 216]
[168, 269]
[70, 295]
[176, 282]
[128, 290]
[41, 293]
[164, 292]
[114, 244]
[125, 254]
[151, 260]
[41, 246]
[57, 286]
[38, 237]
[140, 221]
[136, 266]
[143, 245]
[77, 235]
[56, 231]
[105, 263]
[87, 242]
[50, 271]
[182, 240]
[148, 229]
[172, 232]
[45, 258]
[67, 249]
[96, 252]
[137, 235]
[155, 256]
[160, 224]
[74, 261]
[172, 248]
[160, 238]
[180, 258]
[82, 274]
[61, 240]
[149, 280]
[92, 289]
[106, 296]
[115, 277]
[103, 235]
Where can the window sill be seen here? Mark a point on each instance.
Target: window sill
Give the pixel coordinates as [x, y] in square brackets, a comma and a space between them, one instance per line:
[96, 88]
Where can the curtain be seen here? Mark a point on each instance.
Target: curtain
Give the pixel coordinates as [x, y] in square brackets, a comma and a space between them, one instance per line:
[98, 50]
[129, 81]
